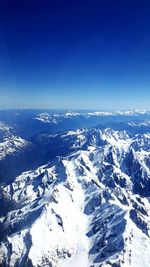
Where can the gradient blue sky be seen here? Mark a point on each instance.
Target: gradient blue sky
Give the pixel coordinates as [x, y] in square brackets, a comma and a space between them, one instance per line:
[75, 54]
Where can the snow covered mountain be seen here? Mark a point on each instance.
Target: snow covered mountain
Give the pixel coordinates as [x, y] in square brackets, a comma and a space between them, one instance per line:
[29, 123]
[12, 149]
[9, 143]
[88, 208]
[57, 117]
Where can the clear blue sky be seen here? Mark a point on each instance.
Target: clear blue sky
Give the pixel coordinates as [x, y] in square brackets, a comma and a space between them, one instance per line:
[75, 54]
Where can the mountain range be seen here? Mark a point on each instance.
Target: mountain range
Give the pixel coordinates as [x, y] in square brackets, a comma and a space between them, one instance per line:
[75, 189]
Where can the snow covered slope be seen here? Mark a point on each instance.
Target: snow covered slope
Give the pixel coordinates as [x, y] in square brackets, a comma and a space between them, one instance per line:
[90, 208]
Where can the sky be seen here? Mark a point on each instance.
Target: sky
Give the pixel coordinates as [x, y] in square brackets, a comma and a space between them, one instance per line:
[75, 54]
